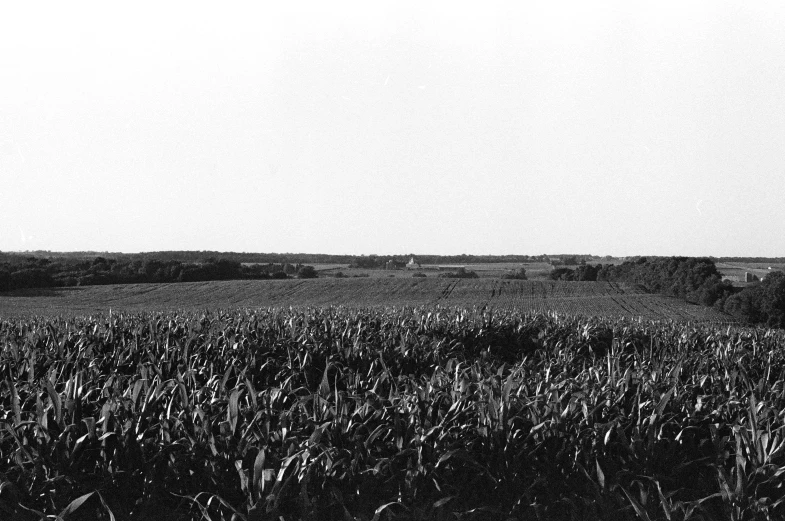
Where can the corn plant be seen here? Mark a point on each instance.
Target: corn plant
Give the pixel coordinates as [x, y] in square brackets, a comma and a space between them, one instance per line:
[399, 413]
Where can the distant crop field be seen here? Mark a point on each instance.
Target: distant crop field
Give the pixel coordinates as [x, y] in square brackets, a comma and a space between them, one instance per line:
[601, 299]
[534, 270]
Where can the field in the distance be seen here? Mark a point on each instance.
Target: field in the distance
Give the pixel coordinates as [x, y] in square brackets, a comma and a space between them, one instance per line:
[735, 271]
[604, 299]
[534, 270]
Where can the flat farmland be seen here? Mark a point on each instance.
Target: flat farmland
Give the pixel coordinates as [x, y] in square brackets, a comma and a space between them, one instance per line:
[534, 270]
[603, 299]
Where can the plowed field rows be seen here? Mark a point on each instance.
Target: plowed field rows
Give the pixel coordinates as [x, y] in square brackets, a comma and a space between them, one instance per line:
[604, 299]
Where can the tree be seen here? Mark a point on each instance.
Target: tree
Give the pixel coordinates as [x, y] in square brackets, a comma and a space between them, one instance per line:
[773, 299]
[31, 278]
[460, 273]
[695, 279]
[761, 303]
[562, 274]
[587, 272]
[519, 274]
[5, 279]
[306, 272]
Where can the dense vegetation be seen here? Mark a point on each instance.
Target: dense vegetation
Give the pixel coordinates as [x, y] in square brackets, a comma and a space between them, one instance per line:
[518, 274]
[585, 272]
[372, 261]
[34, 272]
[459, 273]
[381, 414]
[761, 303]
[696, 280]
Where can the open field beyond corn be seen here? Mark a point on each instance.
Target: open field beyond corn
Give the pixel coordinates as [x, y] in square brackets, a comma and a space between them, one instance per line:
[371, 414]
[606, 299]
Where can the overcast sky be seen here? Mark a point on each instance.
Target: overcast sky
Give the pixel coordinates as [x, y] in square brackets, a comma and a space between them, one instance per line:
[588, 127]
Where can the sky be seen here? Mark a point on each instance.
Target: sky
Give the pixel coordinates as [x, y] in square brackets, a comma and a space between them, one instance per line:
[606, 128]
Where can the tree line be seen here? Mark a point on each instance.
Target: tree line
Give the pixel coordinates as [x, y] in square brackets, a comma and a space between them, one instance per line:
[39, 272]
[696, 280]
[377, 261]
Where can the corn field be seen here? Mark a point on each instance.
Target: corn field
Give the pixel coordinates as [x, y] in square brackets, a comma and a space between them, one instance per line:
[373, 414]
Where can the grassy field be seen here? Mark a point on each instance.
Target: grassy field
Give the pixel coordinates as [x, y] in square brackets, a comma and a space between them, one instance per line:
[603, 299]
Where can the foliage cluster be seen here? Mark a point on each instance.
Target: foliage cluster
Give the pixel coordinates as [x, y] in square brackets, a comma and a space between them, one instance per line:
[696, 280]
[376, 262]
[421, 413]
[519, 274]
[279, 258]
[460, 273]
[760, 303]
[691, 278]
[306, 272]
[568, 260]
[32, 272]
[585, 272]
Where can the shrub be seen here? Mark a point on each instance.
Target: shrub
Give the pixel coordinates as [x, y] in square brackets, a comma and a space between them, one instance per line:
[519, 274]
[562, 274]
[306, 272]
[460, 273]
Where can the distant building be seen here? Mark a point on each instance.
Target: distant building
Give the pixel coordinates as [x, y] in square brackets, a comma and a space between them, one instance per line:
[750, 277]
[412, 264]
